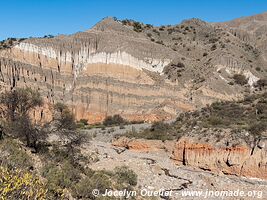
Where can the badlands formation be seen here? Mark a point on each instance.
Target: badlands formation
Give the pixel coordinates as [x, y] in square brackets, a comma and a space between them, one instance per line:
[138, 71]
[146, 73]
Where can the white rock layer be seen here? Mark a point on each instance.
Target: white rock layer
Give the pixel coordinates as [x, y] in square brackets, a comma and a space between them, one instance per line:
[88, 56]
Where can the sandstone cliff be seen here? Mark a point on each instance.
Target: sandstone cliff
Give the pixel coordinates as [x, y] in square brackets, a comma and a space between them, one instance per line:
[115, 69]
[239, 160]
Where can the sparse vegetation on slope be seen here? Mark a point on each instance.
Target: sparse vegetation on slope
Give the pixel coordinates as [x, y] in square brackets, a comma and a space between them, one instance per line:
[158, 131]
[121, 178]
[61, 166]
[13, 155]
[9, 42]
[249, 115]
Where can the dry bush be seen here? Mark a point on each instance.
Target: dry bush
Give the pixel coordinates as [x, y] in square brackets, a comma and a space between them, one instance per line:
[240, 79]
[17, 184]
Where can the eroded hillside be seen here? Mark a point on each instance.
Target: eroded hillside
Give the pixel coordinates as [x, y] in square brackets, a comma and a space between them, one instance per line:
[136, 70]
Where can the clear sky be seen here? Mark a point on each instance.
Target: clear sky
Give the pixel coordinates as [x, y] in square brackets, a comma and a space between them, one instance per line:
[25, 18]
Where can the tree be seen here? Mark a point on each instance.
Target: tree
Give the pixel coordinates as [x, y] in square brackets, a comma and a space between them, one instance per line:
[63, 117]
[19, 102]
[16, 106]
[64, 124]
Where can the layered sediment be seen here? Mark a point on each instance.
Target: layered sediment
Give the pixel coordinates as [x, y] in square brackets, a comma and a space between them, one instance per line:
[93, 84]
[242, 160]
[114, 69]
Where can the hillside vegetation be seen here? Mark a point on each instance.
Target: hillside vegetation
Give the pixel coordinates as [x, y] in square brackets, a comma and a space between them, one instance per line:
[33, 167]
[249, 114]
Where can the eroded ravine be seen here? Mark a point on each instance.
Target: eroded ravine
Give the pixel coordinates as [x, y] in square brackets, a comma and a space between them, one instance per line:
[156, 170]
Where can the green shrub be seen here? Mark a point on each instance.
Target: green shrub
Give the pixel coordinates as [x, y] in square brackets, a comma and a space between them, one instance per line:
[13, 156]
[60, 177]
[84, 121]
[261, 83]
[158, 131]
[258, 127]
[63, 117]
[258, 69]
[247, 114]
[122, 127]
[213, 40]
[80, 125]
[137, 122]
[159, 126]
[240, 79]
[114, 120]
[137, 27]
[159, 135]
[124, 175]
[215, 121]
[149, 26]
[120, 178]
[160, 42]
[97, 180]
[213, 47]
[1, 132]
[126, 22]
[69, 153]
[205, 54]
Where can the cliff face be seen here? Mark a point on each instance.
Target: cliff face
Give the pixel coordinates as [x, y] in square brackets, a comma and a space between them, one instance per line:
[112, 69]
[97, 90]
[94, 82]
[239, 160]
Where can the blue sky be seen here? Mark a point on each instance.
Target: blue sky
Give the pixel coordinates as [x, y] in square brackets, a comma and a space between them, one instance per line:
[25, 18]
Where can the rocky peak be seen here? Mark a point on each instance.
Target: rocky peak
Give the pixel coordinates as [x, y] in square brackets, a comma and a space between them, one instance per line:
[106, 24]
[195, 21]
[111, 25]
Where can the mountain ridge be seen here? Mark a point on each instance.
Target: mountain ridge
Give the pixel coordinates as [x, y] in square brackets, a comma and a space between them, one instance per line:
[137, 70]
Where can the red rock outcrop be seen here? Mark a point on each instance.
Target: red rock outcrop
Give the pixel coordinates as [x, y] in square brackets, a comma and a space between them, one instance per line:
[143, 145]
[239, 160]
